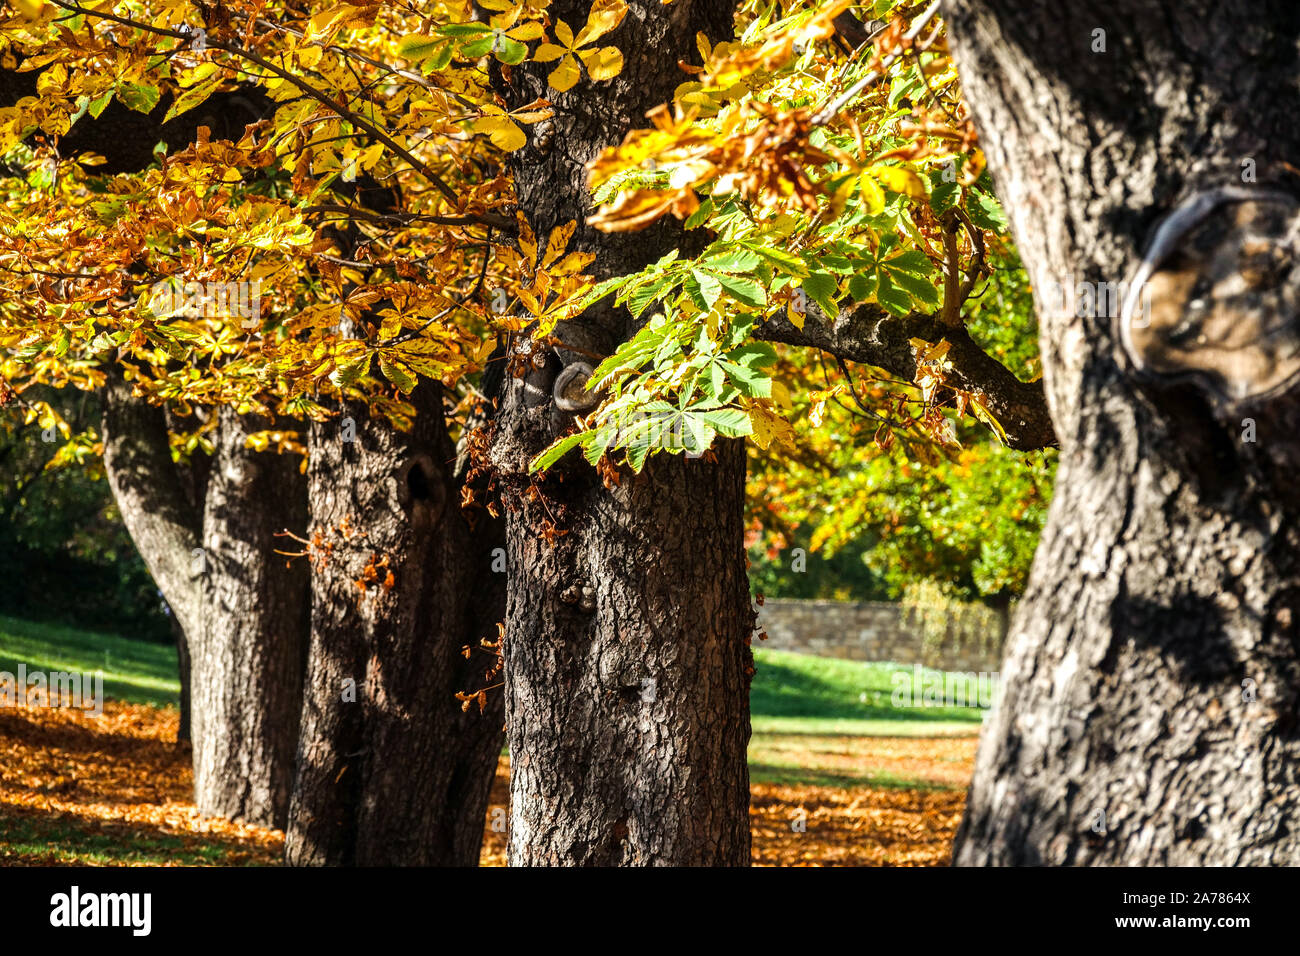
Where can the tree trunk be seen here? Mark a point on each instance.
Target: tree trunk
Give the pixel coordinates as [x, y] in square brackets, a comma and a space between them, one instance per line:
[194, 477]
[183, 670]
[247, 670]
[391, 769]
[626, 659]
[149, 493]
[242, 611]
[1151, 679]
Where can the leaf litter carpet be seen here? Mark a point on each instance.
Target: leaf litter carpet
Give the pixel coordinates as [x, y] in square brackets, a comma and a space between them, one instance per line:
[76, 789]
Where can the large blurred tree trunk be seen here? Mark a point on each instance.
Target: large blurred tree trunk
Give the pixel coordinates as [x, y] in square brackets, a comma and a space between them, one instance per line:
[392, 770]
[627, 657]
[1152, 677]
[242, 610]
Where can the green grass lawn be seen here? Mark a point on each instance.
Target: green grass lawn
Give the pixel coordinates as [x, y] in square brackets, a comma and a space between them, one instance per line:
[139, 672]
[791, 694]
[814, 717]
[798, 693]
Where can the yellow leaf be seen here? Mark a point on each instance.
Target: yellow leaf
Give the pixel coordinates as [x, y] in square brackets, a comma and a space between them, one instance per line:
[573, 263]
[504, 134]
[527, 241]
[564, 34]
[192, 97]
[527, 115]
[558, 242]
[702, 44]
[526, 31]
[873, 197]
[547, 52]
[603, 64]
[603, 18]
[817, 411]
[323, 23]
[900, 180]
[370, 156]
[632, 210]
[530, 301]
[31, 9]
[983, 414]
[767, 427]
[927, 352]
[564, 76]
[308, 56]
[796, 317]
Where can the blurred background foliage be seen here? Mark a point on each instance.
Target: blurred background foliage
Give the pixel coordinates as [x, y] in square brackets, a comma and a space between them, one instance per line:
[894, 517]
[65, 555]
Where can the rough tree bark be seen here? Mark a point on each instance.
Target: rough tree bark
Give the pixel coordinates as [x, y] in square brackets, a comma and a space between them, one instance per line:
[1151, 680]
[149, 493]
[246, 668]
[391, 770]
[243, 612]
[626, 659]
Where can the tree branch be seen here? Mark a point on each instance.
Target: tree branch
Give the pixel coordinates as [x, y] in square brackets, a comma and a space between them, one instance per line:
[337, 106]
[871, 336]
[154, 506]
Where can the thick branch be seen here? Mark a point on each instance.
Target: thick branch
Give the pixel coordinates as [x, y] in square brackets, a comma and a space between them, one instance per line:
[869, 335]
[163, 525]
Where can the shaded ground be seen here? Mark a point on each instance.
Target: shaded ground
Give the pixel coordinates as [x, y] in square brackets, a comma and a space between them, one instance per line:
[109, 790]
[114, 790]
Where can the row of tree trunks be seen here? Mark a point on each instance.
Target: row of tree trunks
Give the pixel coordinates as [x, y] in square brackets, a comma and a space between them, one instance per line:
[392, 770]
[627, 662]
[419, 773]
[1152, 676]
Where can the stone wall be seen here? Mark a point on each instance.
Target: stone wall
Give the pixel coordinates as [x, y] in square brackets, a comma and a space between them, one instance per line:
[967, 639]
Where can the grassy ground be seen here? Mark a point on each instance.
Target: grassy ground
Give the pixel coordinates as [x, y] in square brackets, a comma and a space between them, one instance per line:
[878, 783]
[56, 840]
[827, 722]
[135, 671]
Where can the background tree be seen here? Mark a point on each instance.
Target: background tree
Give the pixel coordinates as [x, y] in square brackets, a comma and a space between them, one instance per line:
[879, 508]
[249, 653]
[244, 623]
[392, 769]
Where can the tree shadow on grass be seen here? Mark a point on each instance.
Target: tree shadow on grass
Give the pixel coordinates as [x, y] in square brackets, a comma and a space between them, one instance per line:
[38, 837]
[772, 774]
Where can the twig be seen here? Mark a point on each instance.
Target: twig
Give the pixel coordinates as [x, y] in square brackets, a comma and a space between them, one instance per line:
[828, 113]
[460, 300]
